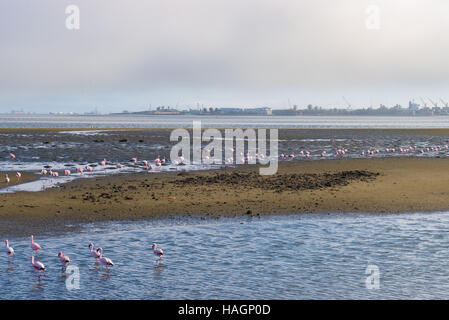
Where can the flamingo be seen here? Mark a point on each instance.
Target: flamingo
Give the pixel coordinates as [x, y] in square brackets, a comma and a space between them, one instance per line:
[65, 260]
[134, 159]
[7, 181]
[119, 166]
[88, 168]
[94, 253]
[79, 170]
[12, 156]
[9, 250]
[106, 261]
[18, 175]
[34, 245]
[67, 172]
[39, 266]
[157, 251]
[103, 164]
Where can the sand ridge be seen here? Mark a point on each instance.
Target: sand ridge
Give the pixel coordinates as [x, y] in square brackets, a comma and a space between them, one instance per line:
[349, 185]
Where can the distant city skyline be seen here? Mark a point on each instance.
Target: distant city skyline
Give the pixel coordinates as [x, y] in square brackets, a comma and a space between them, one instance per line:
[221, 54]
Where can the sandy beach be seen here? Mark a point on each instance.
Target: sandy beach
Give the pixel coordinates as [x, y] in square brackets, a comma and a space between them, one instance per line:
[386, 185]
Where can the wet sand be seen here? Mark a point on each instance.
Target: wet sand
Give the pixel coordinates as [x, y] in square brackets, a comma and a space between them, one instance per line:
[26, 177]
[386, 185]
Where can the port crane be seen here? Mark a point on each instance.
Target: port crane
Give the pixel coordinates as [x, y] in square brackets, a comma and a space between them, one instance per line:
[433, 102]
[348, 103]
[424, 104]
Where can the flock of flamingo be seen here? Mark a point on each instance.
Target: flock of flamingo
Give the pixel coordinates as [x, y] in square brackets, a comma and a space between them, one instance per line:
[244, 158]
[65, 260]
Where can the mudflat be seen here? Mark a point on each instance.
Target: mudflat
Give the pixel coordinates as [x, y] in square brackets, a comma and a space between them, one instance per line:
[381, 185]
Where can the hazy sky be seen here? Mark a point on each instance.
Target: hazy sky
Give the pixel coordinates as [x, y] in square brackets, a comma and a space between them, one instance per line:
[130, 54]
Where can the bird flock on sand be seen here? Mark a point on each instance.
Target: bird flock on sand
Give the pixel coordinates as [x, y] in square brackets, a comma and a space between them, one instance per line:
[65, 260]
[242, 158]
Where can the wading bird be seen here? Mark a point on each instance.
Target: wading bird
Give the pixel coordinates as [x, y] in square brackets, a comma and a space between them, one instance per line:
[103, 164]
[9, 250]
[12, 156]
[34, 245]
[106, 261]
[7, 181]
[18, 175]
[94, 253]
[39, 266]
[65, 260]
[157, 251]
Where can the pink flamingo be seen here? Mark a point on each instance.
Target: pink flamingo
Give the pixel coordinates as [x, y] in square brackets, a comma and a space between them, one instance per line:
[103, 164]
[18, 175]
[7, 181]
[39, 266]
[67, 172]
[88, 168]
[134, 159]
[43, 172]
[106, 261]
[12, 156]
[94, 253]
[119, 166]
[79, 170]
[34, 245]
[9, 250]
[65, 260]
[157, 251]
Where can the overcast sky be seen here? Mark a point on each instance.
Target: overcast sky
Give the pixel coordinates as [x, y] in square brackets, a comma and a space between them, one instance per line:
[130, 54]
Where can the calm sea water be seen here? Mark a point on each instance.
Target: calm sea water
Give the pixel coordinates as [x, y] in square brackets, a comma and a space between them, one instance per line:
[142, 121]
[291, 257]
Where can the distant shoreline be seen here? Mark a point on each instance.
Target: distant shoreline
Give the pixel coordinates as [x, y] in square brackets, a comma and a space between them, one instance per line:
[330, 131]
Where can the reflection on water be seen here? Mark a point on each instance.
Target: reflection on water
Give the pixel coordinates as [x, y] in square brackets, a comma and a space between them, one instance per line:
[303, 256]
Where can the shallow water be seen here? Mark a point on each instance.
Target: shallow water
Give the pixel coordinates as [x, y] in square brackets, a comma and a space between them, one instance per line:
[307, 256]
[185, 121]
[62, 150]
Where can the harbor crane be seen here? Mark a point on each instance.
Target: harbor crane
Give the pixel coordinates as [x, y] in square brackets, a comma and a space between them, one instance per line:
[424, 104]
[433, 102]
[348, 103]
